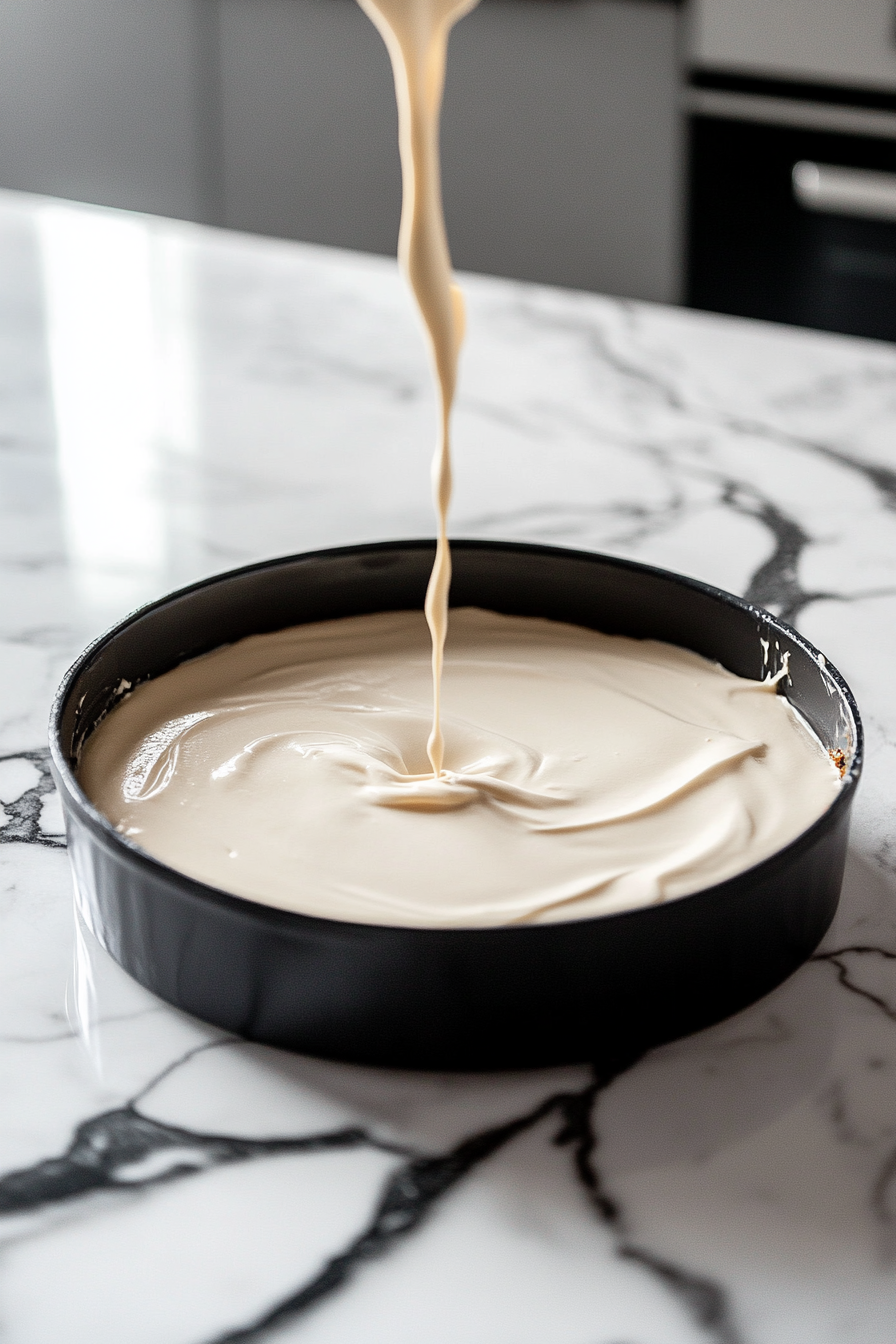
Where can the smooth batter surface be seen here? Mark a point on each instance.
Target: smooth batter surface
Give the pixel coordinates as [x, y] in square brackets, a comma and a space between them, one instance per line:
[583, 773]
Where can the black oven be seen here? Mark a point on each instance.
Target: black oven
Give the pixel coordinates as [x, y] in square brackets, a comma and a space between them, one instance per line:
[792, 203]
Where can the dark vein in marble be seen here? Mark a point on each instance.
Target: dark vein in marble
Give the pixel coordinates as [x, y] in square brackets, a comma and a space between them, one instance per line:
[22, 825]
[108, 1151]
[835, 958]
[882, 478]
[705, 1301]
[627, 525]
[775, 583]
[834, 1101]
[125, 1150]
[297, 364]
[883, 1193]
[413, 1191]
[508, 417]
[34, 564]
[634, 521]
[40, 637]
[599, 342]
[409, 1197]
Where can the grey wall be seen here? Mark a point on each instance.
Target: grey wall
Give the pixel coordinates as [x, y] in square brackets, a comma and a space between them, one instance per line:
[308, 123]
[560, 135]
[560, 129]
[561, 144]
[106, 101]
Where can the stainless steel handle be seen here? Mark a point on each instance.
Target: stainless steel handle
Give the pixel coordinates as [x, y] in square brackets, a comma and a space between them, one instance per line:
[831, 190]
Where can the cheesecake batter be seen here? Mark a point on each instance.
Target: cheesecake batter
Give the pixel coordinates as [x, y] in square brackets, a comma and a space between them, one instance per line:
[583, 773]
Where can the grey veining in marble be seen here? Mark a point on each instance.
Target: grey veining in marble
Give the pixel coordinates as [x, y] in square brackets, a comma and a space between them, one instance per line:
[174, 402]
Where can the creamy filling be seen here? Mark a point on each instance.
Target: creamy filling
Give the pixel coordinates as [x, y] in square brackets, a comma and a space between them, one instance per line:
[582, 773]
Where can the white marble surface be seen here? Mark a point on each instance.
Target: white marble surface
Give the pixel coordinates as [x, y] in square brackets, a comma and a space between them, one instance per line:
[173, 402]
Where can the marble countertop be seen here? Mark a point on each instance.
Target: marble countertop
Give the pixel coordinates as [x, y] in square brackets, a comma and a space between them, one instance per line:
[175, 401]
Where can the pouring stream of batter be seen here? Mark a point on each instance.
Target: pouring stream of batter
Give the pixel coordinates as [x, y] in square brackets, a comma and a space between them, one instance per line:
[416, 35]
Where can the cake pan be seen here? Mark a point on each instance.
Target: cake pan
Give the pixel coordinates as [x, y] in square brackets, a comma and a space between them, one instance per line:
[527, 995]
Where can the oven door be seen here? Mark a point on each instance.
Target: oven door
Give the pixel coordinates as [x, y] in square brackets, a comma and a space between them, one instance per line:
[793, 225]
